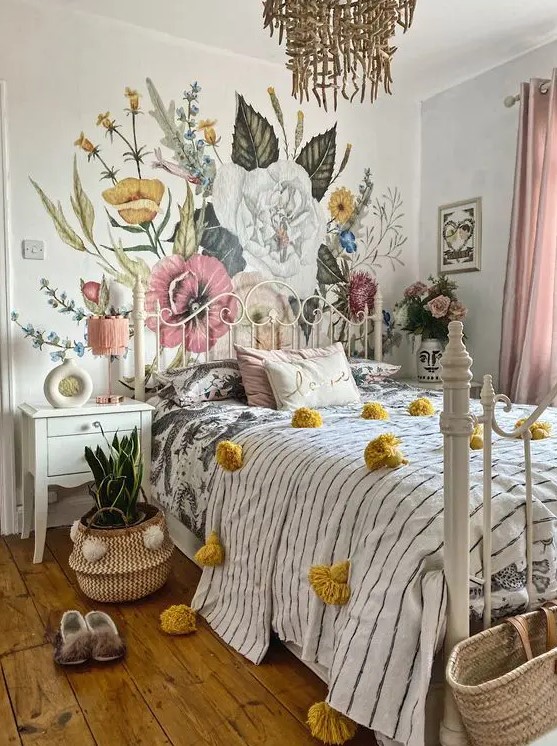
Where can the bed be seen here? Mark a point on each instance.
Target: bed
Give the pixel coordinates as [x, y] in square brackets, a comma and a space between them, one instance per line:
[420, 539]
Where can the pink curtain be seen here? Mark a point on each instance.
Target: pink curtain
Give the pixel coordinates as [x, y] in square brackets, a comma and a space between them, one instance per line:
[528, 362]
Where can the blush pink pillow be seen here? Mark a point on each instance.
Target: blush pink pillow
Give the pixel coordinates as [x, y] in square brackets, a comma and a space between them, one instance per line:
[254, 376]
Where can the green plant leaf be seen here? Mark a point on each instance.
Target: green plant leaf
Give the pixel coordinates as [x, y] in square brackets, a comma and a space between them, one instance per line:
[82, 205]
[254, 143]
[328, 270]
[185, 242]
[221, 243]
[63, 228]
[317, 157]
[95, 464]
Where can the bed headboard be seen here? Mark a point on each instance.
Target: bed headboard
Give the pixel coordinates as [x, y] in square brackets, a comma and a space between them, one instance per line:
[311, 322]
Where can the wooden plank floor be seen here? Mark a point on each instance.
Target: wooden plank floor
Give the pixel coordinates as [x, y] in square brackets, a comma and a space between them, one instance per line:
[182, 691]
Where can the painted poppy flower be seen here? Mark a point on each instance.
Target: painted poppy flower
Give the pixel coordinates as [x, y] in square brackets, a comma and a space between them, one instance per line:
[348, 241]
[136, 200]
[182, 287]
[91, 290]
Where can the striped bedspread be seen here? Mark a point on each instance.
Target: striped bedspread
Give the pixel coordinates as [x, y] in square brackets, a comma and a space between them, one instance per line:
[305, 497]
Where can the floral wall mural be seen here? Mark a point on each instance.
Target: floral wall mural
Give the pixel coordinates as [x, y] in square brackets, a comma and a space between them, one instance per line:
[195, 220]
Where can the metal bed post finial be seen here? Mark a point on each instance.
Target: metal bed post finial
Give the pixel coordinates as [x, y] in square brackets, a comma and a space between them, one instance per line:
[138, 315]
[457, 425]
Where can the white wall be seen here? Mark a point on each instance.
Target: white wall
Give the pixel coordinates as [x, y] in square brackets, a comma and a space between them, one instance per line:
[468, 150]
[62, 68]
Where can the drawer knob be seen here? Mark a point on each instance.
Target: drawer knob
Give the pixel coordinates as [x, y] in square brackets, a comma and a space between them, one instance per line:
[96, 423]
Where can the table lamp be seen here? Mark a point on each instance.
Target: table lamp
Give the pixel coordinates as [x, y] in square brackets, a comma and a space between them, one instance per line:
[108, 336]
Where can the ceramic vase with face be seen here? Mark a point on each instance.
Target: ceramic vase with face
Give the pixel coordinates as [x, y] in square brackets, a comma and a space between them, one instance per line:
[68, 385]
[428, 360]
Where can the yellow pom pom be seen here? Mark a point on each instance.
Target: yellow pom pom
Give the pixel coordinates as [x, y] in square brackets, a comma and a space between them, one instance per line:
[477, 438]
[538, 430]
[373, 410]
[421, 407]
[211, 553]
[329, 725]
[178, 620]
[229, 455]
[384, 451]
[305, 417]
[330, 583]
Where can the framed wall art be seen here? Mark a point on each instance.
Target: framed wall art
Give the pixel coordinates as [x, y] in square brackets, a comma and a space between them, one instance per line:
[460, 236]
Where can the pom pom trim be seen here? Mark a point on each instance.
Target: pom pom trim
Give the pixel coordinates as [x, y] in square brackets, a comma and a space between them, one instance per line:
[306, 417]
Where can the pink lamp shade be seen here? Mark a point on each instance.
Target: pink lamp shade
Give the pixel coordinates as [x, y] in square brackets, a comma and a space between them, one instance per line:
[108, 335]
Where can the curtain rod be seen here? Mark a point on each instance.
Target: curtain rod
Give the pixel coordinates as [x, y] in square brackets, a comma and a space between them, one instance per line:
[510, 101]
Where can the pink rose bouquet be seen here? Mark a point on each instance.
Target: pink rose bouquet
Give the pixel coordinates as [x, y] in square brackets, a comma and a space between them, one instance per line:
[428, 309]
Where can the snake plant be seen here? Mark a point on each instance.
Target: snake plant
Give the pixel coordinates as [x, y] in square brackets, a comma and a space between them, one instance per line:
[118, 475]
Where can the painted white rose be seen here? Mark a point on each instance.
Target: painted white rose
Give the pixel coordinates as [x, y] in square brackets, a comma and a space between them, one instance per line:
[277, 220]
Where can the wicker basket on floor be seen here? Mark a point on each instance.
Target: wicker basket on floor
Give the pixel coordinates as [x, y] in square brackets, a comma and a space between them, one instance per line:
[504, 698]
[129, 568]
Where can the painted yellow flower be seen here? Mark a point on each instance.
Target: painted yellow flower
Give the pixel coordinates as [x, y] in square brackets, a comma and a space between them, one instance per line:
[105, 120]
[208, 128]
[136, 200]
[85, 144]
[341, 205]
[133, 98]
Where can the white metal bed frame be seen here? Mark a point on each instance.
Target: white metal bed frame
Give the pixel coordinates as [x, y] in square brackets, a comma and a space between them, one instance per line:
[456, 423]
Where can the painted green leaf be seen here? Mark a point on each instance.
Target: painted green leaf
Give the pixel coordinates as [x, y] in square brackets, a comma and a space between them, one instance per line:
[63, 228]
[221, 243]
[166, 218]
[185, 242]
[254, 143]
[104, 295]
[166, 119]
[317, 157]
[328, 270]
[308, 308]
[131, 268]
[82, 205]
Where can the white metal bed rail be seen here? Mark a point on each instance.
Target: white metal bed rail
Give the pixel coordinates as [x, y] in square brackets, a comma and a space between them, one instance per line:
[313, 320]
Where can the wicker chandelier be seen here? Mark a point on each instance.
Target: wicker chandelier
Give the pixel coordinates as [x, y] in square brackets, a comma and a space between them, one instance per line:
[338, 46]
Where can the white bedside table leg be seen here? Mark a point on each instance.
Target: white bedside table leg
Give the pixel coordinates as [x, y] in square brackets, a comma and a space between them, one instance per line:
[41, 515]
[27, 497]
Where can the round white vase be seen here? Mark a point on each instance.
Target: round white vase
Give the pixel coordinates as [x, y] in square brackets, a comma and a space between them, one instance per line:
[428, 360]
[68, 385]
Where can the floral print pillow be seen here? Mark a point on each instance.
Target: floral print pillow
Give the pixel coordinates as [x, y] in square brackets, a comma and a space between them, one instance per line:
[202, 382]
[368, 372]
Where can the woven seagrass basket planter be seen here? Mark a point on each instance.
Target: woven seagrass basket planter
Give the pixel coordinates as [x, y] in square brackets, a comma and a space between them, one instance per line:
[503, 699]
[131, 566]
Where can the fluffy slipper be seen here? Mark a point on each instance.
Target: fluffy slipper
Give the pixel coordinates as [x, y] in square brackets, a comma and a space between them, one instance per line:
[73, 640]
[106, 643]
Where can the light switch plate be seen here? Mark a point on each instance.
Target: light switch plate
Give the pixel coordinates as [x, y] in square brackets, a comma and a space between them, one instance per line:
[33, 249]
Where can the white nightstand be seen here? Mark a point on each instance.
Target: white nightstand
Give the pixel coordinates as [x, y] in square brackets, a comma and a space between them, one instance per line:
[475, 386]
[53, 445]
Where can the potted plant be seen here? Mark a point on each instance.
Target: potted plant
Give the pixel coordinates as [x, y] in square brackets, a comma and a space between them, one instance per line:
[425, 311]
[122, 549]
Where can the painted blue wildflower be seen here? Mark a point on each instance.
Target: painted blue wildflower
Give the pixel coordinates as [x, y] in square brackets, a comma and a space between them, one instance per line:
[194, 108]
[181, 114]
[189, 135]
[79, 349]
[14, 316]
[200, 144]
[53, 337]
[195, 87]
[348, 241]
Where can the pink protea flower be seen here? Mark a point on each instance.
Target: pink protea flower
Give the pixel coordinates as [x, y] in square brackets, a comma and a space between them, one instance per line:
[415, 290]
[457, 311]
[182, 286]
[91, 290]
[439, 306]
[362, 288]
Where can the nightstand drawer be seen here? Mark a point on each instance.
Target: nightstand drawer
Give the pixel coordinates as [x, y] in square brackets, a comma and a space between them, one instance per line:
[66, 454]
[83, 424]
